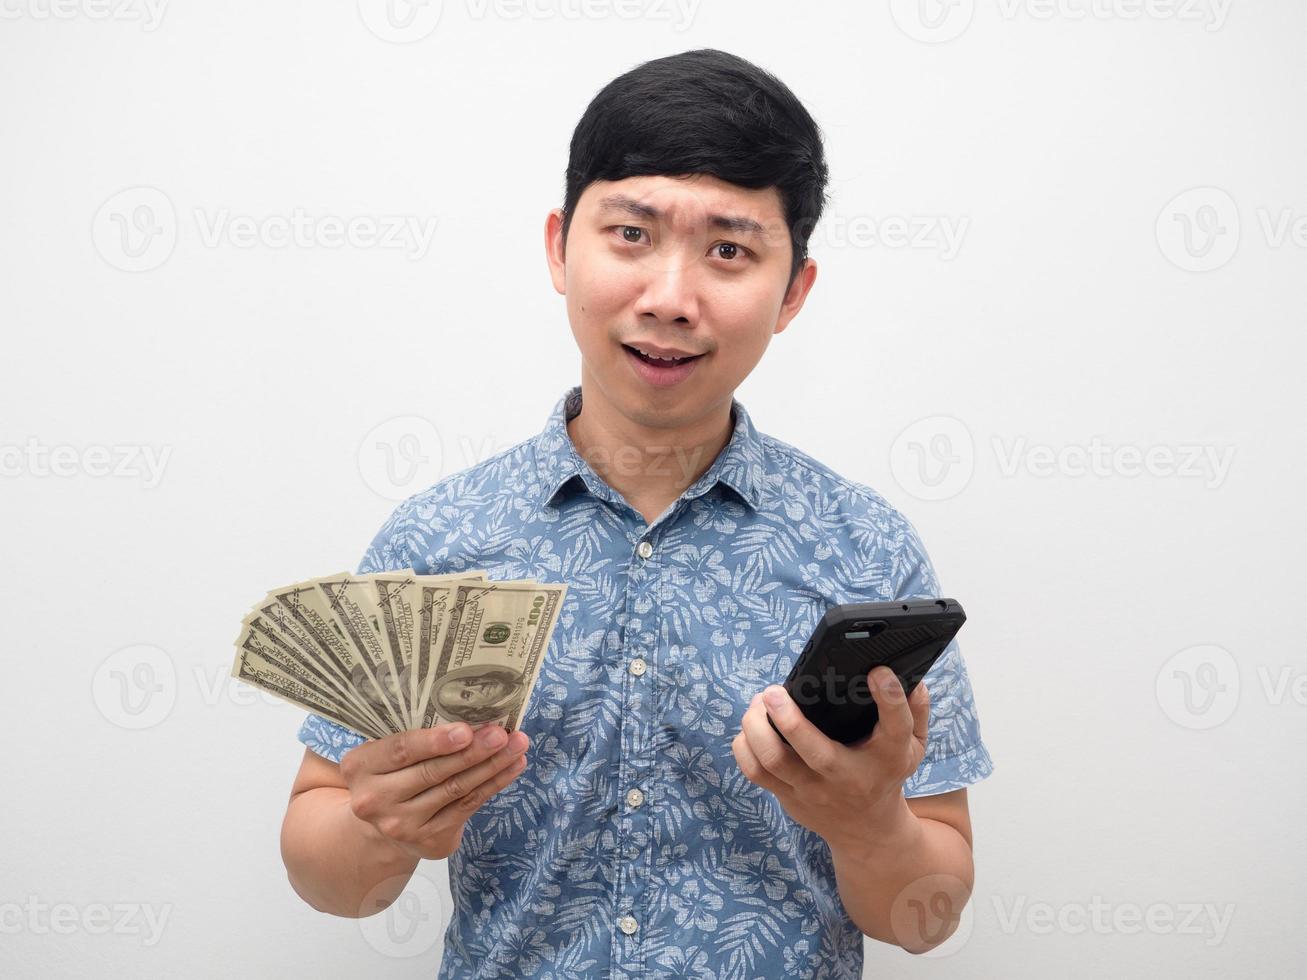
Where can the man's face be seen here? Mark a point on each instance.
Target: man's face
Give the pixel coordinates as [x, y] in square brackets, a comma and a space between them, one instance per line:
[695, 266]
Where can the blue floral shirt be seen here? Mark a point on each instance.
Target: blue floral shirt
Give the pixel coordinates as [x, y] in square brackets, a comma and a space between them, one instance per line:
[632, 845]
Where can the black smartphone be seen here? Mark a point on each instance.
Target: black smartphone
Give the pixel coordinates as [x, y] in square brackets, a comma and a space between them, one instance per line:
[829, 680]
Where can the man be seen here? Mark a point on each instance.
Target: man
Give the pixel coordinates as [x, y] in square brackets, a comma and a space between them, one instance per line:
[658, 826]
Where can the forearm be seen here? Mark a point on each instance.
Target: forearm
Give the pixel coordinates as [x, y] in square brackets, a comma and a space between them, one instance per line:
[907, 883]
[336, 862]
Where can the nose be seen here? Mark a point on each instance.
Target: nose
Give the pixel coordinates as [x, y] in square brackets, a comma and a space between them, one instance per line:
[669, 293]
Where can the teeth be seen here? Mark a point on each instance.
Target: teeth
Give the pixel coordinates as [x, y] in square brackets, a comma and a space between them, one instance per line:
[656, 357]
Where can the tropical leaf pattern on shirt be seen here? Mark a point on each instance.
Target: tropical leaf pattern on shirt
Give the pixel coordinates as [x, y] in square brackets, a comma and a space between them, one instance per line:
[720, 881]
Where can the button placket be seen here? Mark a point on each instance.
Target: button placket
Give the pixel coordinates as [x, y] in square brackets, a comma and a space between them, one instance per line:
[642, 582]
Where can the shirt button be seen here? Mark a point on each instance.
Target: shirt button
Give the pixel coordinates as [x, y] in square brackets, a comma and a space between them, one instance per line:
[637, 667]
[627, 924]
[634, 797]
[644, 549]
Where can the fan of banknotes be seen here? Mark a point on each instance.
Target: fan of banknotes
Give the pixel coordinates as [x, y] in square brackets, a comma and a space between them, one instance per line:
[391, 651]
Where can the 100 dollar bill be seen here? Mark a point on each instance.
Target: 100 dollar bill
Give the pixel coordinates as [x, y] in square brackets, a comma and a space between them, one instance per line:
[388, 651]
[488, 653]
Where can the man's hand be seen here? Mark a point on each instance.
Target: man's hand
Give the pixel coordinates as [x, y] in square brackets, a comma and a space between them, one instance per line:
[418, 788]
[837, 790]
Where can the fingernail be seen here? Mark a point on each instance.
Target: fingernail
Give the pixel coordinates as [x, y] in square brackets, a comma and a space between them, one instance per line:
[492, 736]
[459, 736]
[774, 696]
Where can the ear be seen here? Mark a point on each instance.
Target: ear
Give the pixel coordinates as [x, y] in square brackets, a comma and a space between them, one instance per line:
[554, 250]
[797, 294]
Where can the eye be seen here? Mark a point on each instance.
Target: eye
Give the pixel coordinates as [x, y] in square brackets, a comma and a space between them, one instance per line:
[625, 230]
[732, 252]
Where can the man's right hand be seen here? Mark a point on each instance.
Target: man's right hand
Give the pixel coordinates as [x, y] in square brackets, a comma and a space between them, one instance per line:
[418, 788]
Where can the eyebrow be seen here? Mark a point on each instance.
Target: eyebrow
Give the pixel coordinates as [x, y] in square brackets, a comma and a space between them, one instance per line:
[727, 222]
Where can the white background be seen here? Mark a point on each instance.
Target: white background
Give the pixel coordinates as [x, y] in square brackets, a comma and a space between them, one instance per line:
[1134, 777]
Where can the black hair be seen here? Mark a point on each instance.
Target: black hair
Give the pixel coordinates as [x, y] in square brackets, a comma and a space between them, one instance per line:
[703, 111]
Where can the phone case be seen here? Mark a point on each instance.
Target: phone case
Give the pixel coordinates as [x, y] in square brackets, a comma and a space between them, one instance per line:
[829, 679]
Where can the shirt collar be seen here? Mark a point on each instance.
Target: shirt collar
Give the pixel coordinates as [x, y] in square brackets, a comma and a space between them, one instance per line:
[739, 465]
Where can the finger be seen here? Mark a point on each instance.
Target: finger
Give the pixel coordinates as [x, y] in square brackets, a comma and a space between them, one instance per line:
[398, 752]
[458, 797]
[438, 769]
[919, 702]
[753, 769]
[895, 722]
[422, 807]
[777, 758]
[818, 752]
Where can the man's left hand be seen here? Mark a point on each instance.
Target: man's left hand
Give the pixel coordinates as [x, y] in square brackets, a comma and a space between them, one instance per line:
[836, 790]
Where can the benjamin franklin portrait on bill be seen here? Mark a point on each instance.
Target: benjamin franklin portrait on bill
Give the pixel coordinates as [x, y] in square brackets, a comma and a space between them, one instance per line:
[476, 694]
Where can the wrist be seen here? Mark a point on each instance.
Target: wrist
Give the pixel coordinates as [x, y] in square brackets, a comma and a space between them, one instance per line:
[384, 850]
[888, 828]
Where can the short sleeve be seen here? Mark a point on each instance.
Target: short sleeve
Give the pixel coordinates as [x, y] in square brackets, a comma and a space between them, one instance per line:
[328, 739]
[956, 755]
[387, 551]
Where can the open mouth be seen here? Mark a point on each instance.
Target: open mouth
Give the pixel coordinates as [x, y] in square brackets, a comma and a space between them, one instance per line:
[661, 372]
[662, 362]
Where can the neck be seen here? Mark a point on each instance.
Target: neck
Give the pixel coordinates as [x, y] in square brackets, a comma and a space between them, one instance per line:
[650, 467]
